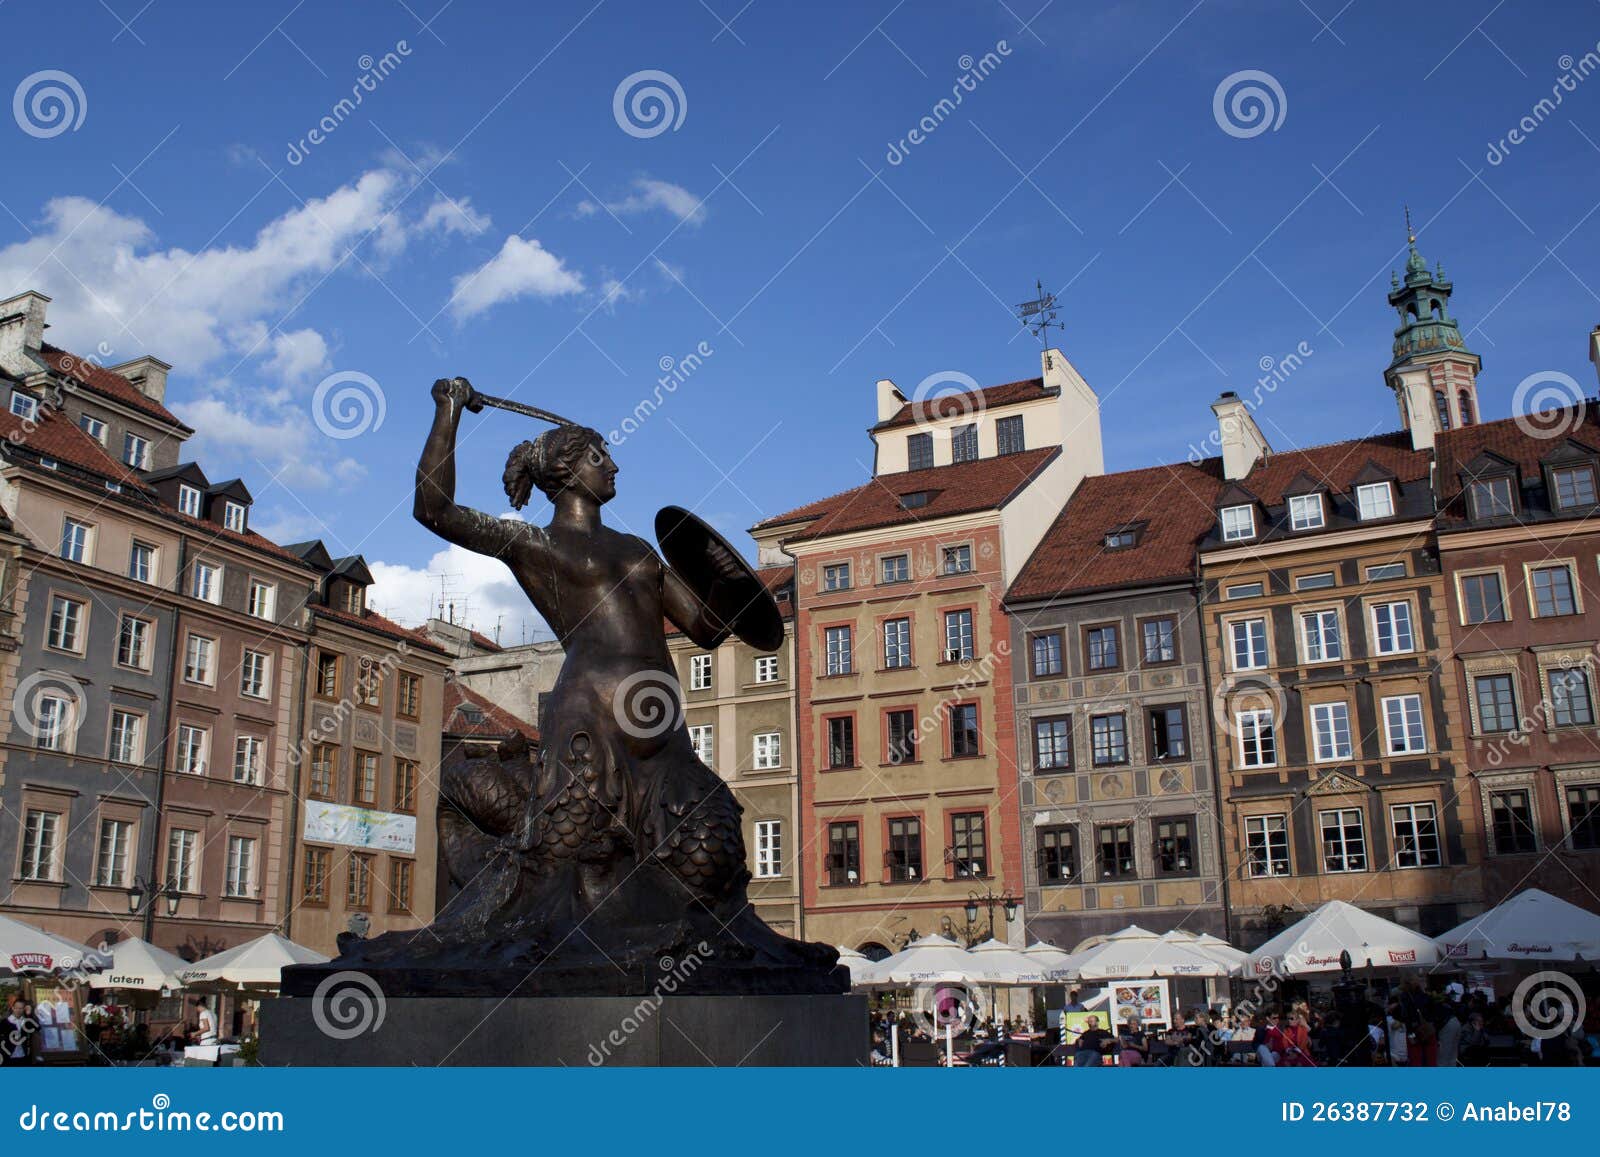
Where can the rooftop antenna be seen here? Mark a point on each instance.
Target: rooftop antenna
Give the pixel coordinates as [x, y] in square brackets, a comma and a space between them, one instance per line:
[1039, 315]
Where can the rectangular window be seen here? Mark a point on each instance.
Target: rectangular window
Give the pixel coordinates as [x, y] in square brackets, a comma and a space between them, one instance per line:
[193, 749]
[24, 406]
[136, 451]
[75, 540]
[969, 844]
[408, 695]
[1238, 522]
[1108, 735]
[111, 868]
[327, 674]
[1416, 835]
[902, 728]
[1258, 739]
[767, 750]
[1497, 702]
[1391, 628]
[358, 884]
[127, 737]
[255, 674]
[188, 501]
[142, 563]
[699, 672]
[769, 849]
[1375, 500]
[766, 668]
[1008, 434]
[840, 653]
[1481, 598]
[1492, 498]
[56, 722]
[1511, 827]
[964, 443]
[1344, 840]
[314, 877]
[323, 782]
[1248, 644]
[1175, 846]
[182, 844]
[1305, 511]
[1101, 649]
[904, 857]
[1116, 851]
[1403, 731]
[248, 759]
[844, 854]
[1320, 581]
[263, 600]
[703, 738]
[133, 643]
[93, 427]
[233, 516]
[963, 729]
[197, 654]
[1583, 816]
[1246, 591]
[1574, 486]
[896, 568]
[1058, 855]
[836, 577]
[1160, 637]
[1319, 634]
[41, 833]
[65, 632]
[1169, 733]
[919, 452]
[1045, 654]
[405, 785]
[957, 559]
[401, 875]
[958, 645]
[1052, 744]
[369, 683]
[1387, 570]
[207, 582]
[1552, 591]
[240, 878]
[364, 785]
[1330, 725]
[842, 741]
[897, 643]
[1571, 705]
[1266, 841]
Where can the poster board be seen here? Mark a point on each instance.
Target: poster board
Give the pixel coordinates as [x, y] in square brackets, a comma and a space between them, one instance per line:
[1148, 1001]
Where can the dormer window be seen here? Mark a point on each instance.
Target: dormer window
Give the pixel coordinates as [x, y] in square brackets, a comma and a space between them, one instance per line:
[233, 516]
[919, 452]
[355, 599]
[1008, 435]
[93, 427]
[1121, 539]
[1492, 498]
[24, 406]
[1305, 512]
[136, 451]
[964, 443]
[1573, 486]
[1238, 523]
[1375, 500]
[188, 500]
[915, 499]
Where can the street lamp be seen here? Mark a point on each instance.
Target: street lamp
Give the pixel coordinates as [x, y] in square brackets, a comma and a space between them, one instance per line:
[987, 900]
[144, 895]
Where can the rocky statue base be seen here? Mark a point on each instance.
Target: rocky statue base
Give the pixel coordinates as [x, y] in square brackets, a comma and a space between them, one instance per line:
[575, 1031]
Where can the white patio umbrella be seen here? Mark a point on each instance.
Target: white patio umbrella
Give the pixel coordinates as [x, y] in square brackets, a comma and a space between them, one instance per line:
[258, 962]
[931, 960]
[1057, 964]
[860, 966]
[26, 949]
[1532, 925]
[1206, 944]
[1126, 955]
[999, 965]
[138, 964]
[1314, 943]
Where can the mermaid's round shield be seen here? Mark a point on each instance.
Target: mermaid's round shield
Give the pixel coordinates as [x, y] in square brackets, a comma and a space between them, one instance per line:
[720, 576]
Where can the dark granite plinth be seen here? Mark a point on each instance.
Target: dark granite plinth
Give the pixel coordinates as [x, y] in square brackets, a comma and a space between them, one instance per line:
[578, 1031]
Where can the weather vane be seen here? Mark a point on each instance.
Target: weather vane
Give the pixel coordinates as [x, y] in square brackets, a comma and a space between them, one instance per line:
[1039, 315]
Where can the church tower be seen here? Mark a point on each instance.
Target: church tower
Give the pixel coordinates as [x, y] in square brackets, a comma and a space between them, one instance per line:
[1433, 375]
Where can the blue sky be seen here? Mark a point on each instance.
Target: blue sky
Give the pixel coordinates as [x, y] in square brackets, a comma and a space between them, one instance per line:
[484, 212]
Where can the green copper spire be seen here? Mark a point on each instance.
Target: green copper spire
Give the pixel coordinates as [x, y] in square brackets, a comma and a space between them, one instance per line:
[1422, 302]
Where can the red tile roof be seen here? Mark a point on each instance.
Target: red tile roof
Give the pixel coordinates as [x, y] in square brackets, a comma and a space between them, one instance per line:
[484, 641]
[497, 722]
[373, 621]
[1506, 437]
[1176, 504]
[968, 401]
[53, 435]
[961, 488]
[1337, 464]
[102, 381]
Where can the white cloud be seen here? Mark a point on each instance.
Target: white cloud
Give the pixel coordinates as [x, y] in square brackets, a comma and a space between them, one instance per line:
[482, 588]
[450, 215]
[520, 269]
[298, 356]
[274, 440]
[651, 194]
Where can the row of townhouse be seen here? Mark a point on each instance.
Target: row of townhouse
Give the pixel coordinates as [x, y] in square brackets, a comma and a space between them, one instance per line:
[206, 736]
[1033, 699]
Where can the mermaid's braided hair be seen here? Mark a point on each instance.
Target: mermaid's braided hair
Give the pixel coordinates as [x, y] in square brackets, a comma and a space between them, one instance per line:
[548, 462]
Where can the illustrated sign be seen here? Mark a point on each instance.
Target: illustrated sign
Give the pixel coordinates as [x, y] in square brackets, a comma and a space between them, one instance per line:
[359, 827]
[1147, 1001]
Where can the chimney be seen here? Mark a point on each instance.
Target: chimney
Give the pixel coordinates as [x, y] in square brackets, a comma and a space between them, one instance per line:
[890, 399]
[1243, 443]
[21, 330]
[1413, 388]
[147, 373]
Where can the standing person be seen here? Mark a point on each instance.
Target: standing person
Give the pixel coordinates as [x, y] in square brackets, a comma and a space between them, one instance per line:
[1450, 1039]
[15, 1034]
[1074, 1004]
[1395, 1030]
[1091, 1043]
[206, 1027]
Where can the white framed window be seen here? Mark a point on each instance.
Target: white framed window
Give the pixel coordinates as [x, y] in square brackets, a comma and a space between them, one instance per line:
[836, 576]
[188, 500]
[1266, 841]
[93, 427]
[133, 643]
[255, 674]
[41, 846]
[1344, 840]
[766, 668]
[1375, 500]
[208, 582]
[699, 672]
[1319, 636]
[768, 750]
[702, 737]
[1305, 512]
[263, 600]
[142, 562]
[57, 721]
[1416, 835]
[240, 880]
[840, 651]
[1246, 591]
[1330, 726]
[193, 749]
[1386, 570]
[769, 849]
[198, 653]
[111, 866]
[127, 737]
[1238, 522]
[1391, 629]
[1249, 643]
[136, 451]
[77, 540]
[24, 406]
[1258, 738]
[1319, 581]
[65, 632]
[249, 753]
[182, 847]
[1403, 731]
[233, 516]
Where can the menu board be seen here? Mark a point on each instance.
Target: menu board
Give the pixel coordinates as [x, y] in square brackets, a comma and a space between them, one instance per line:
[53, 1011]
[1147, 1001]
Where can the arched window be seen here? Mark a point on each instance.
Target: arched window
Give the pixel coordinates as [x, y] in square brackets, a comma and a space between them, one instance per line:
[874, 951]
[1438, 310]
[1441, 403]
[1411, 310]
[1464, 405]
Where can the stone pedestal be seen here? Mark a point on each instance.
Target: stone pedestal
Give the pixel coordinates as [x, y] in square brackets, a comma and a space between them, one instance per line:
[578, 1031]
